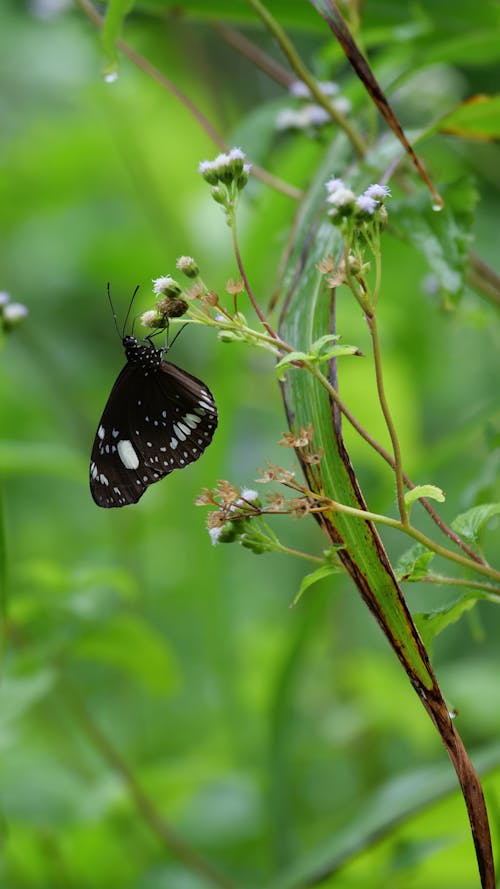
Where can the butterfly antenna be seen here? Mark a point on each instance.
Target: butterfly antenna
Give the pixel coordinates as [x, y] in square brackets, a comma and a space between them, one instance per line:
[131, 303]
[108, 288]
[178, 334]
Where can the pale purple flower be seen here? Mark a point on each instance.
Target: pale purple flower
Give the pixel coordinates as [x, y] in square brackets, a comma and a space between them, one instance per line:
[333, 185]
[378, 192]
[366, 204]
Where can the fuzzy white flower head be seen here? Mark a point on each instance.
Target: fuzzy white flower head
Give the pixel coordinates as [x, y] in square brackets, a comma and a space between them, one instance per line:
[328, 87]
[315, 115]
[247, 168]
[288, 119]
[236, 154]
[14, 312]
[378, 192]
[214, 534]
[299, 90]
[334, 185]
[150, 318]
[184, 262]
[4, 297]
[249, 494]
[205, 167]
[366, 204]
[221, 162]
[342, 104]
[342, 197]
[162, 284]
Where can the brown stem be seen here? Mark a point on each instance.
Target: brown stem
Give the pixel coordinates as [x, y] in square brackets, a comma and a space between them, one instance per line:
[257, 56]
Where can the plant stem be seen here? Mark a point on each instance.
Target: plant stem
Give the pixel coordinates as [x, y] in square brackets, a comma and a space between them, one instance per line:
[441, 580]
[167, 84]
[241, 268]
[406, 528]
[398, 464]
[303, 74]
[449, 532]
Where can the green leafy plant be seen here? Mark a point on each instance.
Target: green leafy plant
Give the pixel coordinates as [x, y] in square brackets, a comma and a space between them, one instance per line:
[349, 194]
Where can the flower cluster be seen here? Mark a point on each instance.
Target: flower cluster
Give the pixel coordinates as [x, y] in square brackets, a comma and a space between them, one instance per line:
[11, 314]
[227, 175]
[344, 204]
[310, 115]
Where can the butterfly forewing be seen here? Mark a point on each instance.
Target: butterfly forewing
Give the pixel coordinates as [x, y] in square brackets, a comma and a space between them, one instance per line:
[158, 418]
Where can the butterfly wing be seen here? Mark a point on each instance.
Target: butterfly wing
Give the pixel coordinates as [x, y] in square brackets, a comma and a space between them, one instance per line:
[154, 422]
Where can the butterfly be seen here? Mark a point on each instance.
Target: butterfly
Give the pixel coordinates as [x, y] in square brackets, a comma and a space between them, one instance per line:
[157, 418]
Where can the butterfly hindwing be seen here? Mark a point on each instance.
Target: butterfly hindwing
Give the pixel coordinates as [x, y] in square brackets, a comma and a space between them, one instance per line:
[158, 418]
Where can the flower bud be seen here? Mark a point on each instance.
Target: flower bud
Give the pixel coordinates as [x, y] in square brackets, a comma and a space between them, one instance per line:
[172, 307]
[152, 319]
[219, 194]
[166, 286]
[188, 266]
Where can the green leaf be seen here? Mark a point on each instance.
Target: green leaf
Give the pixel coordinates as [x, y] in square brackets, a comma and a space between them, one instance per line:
[444, 237]
[430, 491]
[431, 623]
[315, 356]
[414, 563]
[470, 524]
[312, 578]
[134, 647]
[476, 118]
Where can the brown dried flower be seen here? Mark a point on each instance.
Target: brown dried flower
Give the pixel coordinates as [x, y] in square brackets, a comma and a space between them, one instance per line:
[234, 287]
[299, 439]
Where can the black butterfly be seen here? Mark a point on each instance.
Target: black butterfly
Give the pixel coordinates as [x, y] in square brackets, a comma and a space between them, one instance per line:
[158, 418]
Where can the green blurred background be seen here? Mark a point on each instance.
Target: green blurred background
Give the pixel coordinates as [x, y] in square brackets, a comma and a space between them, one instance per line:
[262, 734]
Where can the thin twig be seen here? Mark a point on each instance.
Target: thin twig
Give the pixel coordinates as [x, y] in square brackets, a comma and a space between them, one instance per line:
[257, 56]
[384, 404]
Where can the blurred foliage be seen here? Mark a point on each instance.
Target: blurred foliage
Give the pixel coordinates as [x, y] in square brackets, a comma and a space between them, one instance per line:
[275, 742]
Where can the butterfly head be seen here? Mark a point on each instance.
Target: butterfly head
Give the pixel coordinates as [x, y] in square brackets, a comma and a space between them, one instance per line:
[143, 354]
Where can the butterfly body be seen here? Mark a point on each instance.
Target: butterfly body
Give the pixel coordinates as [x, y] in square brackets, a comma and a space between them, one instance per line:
[157, 418]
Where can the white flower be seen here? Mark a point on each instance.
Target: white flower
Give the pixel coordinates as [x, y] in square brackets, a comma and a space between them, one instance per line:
[184, 262]
[4, 297]
[299, 89]
[205, 167]
[247, 168]
[333, 185]
[249, 494]
[215, 533]
[150, 319]
[288, 119]
[342, 197]
[366, 203]
[315, 115]
[342, 105]
[328, 87]
[162, 284]
[236, 154]
[378, 192]
[14, 312]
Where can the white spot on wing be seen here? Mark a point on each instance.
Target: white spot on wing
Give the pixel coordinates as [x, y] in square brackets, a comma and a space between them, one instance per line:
[100, 432]
[127, 454]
